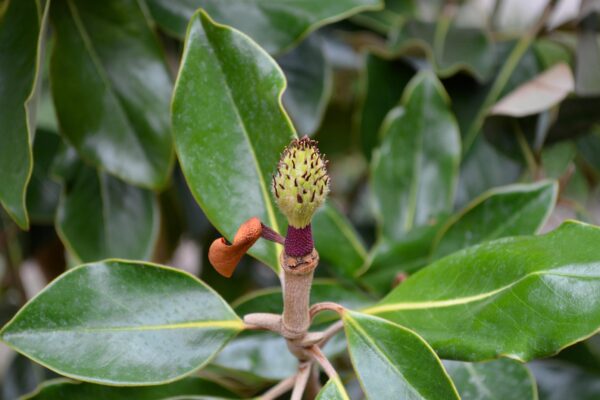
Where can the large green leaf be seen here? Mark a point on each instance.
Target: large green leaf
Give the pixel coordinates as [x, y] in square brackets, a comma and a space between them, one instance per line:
[382, 82]
[393, 362]
[123, 323]
[68, 390]
[337, 242]
[493, 380]
[508, 211]
[100, 216]
[309, 84]
[521, 297]
[414, 171]
[112, 105]
[230, 128]
[22, 27]
[275, 25]
[333, 390]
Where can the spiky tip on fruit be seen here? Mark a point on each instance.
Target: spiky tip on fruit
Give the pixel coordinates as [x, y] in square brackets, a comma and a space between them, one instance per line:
[301, 182]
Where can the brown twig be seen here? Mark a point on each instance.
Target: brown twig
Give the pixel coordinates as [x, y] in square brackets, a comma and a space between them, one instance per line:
[301, 380]
[325, 306]
[282, 387]
[331, 332]
[318, 355]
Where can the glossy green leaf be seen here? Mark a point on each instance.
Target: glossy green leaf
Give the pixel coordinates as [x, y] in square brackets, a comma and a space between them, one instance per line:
[338, 244]
[393, 362]
[521, 297]
[513, 210]
[100, 216]
[558, 381]
[230, 128]
[68, 390]
[274, 25]
[22, 27]
[450, 48]
[309, 83]
[123, 323]
[43, 191]
[382, 82]
[265, 355]
[333, 390]
[492, 380]
[112, 105]
[414, 171]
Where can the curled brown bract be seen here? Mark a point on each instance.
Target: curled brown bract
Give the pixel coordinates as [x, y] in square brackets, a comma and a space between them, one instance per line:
[225, 257]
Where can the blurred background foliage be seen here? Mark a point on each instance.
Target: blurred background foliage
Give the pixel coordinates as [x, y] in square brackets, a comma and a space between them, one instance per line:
[425, 109]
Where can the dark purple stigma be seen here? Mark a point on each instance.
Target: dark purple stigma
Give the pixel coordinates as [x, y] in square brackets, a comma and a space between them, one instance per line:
[299, 242]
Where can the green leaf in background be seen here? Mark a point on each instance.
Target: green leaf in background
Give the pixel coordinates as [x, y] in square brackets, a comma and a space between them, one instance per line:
[22, 27]
[123, 323]
[383, 21]
[555, 159]
[333, 390]
[493, 380]
[483, 168]
[264, 354]
[43, 192]
[337, 242]
[382, 82]
[558, 381]
[393, 362]
[112, 105]
[538, 94]
[517, 63]
[274, 25]
[309, 83]
[68, 390]
[448, 47]
[520, 297]
[230, 128]
[513, 210]
[388, 259]
[415, 169]
[100, 216]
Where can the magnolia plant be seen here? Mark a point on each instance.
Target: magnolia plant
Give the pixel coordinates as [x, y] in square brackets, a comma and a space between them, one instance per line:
[435, 284]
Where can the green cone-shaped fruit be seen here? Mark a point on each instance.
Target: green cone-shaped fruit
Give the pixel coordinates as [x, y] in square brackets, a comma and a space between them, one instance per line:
[301, 183]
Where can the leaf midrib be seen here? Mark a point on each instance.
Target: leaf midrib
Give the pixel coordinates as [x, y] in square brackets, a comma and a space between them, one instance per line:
[222, 324]
[263, 188]
[463, 300]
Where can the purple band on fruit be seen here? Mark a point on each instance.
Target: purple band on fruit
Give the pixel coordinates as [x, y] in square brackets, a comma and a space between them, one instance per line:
[299, 241]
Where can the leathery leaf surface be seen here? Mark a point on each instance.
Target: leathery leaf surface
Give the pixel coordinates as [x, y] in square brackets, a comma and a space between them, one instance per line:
[521, 297]
[123, 323]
